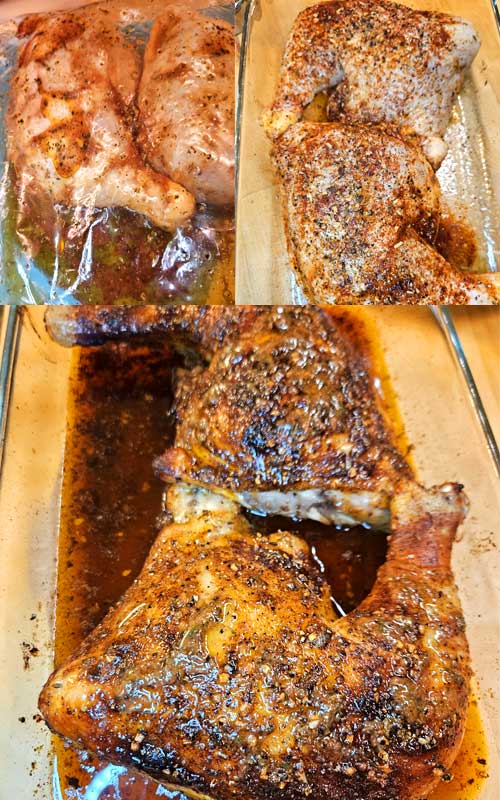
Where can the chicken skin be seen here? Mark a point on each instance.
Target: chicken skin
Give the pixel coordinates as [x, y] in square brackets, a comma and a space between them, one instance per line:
[186, 103]
[70, 122]
[198, 329]
[362, 210]
[283, 419]
[233, 678]
[385, 63]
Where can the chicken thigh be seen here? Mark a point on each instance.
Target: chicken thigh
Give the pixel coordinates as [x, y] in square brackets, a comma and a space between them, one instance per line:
[186, 103]
[385, 63]
[231, 677]
[70, 122]
[284, 418]
[196, 329]
[362, 210]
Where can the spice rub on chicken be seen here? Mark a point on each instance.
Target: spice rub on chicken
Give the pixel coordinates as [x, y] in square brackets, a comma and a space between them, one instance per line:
[223, 669]
[384, 62]
[363, 217]
[283, 415]
[69, 124]
[186, 103]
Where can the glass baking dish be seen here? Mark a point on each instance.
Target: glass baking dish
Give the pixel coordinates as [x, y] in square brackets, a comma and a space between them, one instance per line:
[63, 255]
[469, 176]
[448, 444]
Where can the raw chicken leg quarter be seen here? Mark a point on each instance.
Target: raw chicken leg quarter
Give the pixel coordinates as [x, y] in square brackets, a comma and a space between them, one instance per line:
[384, 62]
[362, 210]
[69, 123]
[186, 103]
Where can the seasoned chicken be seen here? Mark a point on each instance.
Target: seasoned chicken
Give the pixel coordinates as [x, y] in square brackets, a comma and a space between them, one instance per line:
[284, 419]
[186, 103]
[385, 63]
[70, 122]
[222, 669]
[362, 212]
[199, 329]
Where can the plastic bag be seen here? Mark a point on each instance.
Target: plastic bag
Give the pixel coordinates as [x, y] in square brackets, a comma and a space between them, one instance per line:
[57, 254]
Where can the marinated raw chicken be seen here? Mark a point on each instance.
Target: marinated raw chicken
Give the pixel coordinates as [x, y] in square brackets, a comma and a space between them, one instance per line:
[284, 418]
[70, 122]
[222, 669]
[186, 103]
[362, 211]
[385, 63]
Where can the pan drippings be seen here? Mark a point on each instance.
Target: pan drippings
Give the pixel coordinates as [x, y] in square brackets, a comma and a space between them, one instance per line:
[112, 508]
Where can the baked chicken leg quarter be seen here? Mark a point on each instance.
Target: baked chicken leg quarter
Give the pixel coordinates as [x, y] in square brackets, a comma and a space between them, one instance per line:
[223, 670]
[70, 133]
[186, 103]
[284, 417]
[362, 211]
[385, 63]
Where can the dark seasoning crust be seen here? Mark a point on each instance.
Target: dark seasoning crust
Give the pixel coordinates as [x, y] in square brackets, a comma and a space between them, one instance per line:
[305, 369]
[285, 702]
[289, 405]
[116, 513]
[233, 677]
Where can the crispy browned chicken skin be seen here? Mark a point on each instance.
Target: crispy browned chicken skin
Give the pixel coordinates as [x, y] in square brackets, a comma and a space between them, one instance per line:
[222, 668]
[386, 63]
[284, 418]
[199, 328]
[363, 211]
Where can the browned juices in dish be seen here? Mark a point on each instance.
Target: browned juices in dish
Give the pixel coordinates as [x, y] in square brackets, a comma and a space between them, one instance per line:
[112, 508]
[455, 239]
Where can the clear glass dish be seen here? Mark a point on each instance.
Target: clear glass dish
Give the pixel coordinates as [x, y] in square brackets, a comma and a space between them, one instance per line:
[469, 176]
[440, 422]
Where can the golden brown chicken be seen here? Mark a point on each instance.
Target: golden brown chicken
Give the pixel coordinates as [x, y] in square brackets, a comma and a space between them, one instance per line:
[186, 103]
[194, 328]
[284, 418]
[385, 63]
[362, 210]
[70, 122]
[222, 669]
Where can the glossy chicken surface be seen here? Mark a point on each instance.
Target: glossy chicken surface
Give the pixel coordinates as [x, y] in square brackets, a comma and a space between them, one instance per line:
[70, 122]
[186, 103]
[384, 62]
[201, 329]
[284, 418]
[223, 669]
[362, 212]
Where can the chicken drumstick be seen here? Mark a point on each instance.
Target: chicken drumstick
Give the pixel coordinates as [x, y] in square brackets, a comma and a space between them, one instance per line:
[385, 63]
[223, 670]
